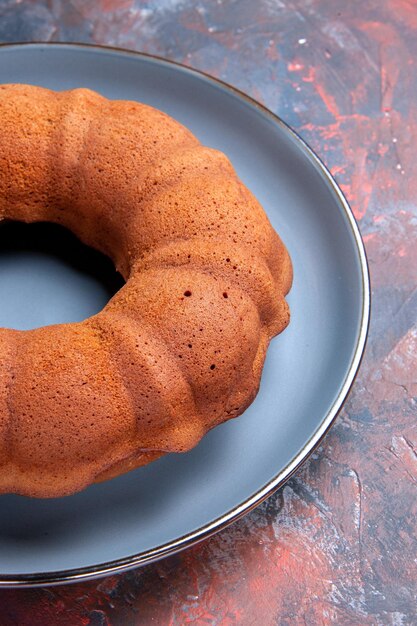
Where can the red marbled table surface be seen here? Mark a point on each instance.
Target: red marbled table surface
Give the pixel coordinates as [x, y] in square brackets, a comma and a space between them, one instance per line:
[337, 544]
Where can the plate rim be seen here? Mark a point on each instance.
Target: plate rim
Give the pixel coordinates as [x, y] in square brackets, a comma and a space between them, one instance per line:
[146, 557]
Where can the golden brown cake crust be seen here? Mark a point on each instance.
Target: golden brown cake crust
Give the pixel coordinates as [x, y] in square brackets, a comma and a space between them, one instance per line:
[180, 348]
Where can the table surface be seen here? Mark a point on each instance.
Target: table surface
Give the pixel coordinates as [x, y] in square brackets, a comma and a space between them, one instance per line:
[337, 544]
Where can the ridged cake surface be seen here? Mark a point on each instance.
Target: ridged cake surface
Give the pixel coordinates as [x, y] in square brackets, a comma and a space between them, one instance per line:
[180, 348]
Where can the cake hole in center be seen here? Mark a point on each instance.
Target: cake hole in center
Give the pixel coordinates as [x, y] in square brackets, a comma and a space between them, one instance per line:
[47, 276]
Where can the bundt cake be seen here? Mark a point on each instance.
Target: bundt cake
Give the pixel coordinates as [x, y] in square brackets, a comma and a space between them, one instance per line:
[180, 348]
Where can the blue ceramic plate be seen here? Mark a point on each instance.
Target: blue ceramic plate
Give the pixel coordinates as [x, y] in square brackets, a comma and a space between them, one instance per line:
[181, 499]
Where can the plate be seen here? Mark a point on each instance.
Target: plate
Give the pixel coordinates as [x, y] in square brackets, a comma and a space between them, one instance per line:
[181, 499]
